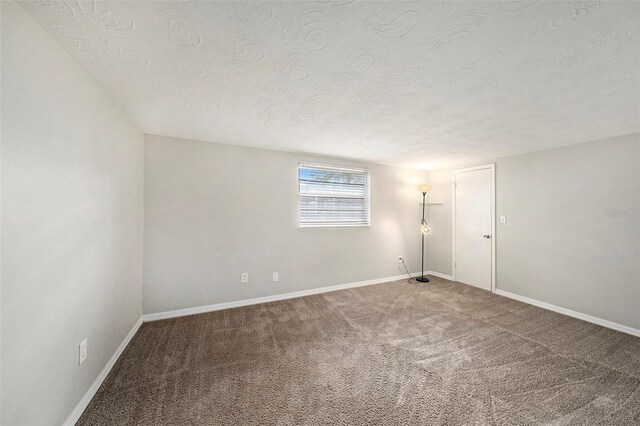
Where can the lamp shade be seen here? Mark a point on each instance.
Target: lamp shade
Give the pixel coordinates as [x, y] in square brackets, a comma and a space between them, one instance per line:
[425, 187]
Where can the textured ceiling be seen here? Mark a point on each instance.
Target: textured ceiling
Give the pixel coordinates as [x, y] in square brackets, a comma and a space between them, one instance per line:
[422, 84]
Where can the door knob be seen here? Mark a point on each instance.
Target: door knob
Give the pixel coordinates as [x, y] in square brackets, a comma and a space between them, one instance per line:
[487, 236]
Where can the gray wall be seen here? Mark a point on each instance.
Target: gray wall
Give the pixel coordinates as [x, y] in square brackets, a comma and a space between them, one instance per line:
[572, 236]
[72, 182]
[214, 211]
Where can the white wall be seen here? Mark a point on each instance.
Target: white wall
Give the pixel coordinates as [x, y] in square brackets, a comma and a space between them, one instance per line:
[561, 244]
[214, 211]
[72, 182]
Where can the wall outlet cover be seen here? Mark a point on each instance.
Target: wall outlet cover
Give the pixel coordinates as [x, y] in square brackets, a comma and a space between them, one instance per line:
[244, 277]
[275, 277]
[82, 351]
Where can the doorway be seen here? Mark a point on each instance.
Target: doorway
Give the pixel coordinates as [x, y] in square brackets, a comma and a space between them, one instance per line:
[474, 246]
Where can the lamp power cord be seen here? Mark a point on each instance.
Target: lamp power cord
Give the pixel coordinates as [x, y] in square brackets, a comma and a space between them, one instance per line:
[411, 279]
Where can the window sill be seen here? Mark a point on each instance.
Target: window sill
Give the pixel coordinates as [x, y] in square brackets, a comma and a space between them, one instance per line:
[335, 226]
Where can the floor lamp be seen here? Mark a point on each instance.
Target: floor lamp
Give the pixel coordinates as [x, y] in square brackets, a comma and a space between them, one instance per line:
[425, 228]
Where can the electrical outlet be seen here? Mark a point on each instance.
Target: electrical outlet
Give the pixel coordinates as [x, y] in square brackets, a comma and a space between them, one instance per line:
[399, 259]
[244, 278]
[82, 351]
[275, 277]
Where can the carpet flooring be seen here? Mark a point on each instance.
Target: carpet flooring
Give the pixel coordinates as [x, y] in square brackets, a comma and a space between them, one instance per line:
[399, 353]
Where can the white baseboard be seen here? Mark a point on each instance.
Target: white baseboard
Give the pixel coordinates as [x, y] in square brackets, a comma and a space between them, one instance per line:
[88, 396]
[595, 320]
[265, 299]
[439, 275]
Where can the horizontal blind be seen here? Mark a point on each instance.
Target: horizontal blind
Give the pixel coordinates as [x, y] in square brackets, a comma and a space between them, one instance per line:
[333, 196]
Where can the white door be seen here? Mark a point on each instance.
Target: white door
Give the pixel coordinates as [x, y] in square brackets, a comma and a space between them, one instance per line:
[473, 226]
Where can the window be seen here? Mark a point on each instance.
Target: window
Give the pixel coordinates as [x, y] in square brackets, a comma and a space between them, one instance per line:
[333, 196]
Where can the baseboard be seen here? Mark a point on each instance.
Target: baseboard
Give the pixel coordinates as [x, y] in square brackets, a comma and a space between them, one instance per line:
[236, 304]
[439, 275]
[595, 320]
[88, 396]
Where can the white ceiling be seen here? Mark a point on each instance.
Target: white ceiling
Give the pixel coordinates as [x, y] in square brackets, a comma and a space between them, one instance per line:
[421, 84]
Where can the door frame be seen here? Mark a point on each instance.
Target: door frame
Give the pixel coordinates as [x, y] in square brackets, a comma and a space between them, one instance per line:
[491, 167]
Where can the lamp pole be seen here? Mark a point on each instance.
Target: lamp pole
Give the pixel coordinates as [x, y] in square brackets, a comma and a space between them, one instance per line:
[422, 278]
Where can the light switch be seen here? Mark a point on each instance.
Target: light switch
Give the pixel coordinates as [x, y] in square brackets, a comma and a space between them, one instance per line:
[503, 219]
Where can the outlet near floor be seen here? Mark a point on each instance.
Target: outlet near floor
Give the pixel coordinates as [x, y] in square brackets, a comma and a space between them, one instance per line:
[82, 351]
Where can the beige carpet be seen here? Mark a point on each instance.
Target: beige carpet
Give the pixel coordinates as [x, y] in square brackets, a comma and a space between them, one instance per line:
[389, 354]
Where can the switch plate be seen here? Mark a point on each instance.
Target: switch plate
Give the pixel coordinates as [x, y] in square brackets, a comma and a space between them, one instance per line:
[82, 351]
[503, 219]
[275, 277]
[244, 277]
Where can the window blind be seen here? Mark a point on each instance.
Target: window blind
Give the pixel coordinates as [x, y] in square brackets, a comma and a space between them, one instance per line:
[333, 196]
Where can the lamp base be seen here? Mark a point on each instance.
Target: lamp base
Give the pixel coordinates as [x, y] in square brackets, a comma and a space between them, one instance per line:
[422, 279]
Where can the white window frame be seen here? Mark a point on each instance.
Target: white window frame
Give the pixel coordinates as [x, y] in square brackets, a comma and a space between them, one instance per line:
[336, 167]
